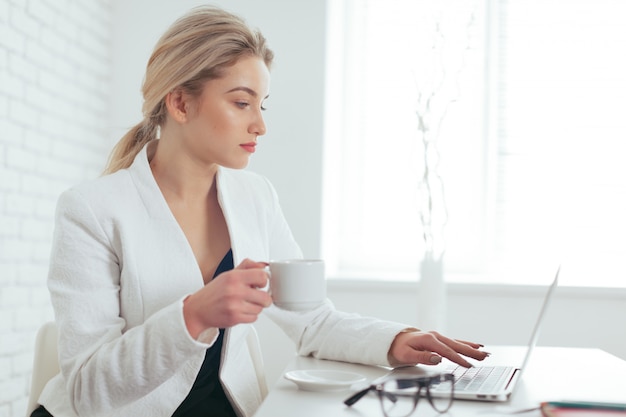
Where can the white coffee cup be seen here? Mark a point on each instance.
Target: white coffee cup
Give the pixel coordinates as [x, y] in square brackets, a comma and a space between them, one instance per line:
[297, 284]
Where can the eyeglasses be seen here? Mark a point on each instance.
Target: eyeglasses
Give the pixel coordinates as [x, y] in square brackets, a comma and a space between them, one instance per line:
[398, 397]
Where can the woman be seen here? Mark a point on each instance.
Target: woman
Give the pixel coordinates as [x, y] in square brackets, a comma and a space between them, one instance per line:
[151, 310]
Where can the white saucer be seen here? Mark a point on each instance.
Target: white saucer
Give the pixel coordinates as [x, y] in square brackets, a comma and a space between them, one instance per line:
[323, 380]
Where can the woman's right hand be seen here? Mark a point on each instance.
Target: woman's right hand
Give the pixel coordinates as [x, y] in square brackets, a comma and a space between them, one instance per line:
[233, 297]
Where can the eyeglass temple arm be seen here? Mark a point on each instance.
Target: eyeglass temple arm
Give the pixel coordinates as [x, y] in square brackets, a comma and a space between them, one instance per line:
[356, 397]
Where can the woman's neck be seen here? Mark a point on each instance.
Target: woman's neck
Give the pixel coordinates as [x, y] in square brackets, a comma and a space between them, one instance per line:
[180, 176]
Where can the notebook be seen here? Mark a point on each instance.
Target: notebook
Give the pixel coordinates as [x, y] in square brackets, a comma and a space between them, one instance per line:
[496, 383]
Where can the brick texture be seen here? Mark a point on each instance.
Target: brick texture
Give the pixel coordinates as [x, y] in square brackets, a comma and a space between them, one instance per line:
[55, 66]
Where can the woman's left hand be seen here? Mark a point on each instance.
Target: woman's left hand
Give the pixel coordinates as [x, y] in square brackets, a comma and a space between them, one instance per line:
[413, 347]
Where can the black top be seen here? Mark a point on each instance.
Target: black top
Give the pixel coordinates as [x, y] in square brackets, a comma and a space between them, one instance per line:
[207, 397]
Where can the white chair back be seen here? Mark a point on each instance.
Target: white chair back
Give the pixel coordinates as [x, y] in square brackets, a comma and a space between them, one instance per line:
[45, 363]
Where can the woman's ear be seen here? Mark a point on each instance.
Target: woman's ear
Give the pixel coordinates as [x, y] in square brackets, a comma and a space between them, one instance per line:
[177, 105]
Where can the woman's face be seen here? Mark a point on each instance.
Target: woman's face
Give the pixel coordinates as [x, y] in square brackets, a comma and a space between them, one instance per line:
[225, 121]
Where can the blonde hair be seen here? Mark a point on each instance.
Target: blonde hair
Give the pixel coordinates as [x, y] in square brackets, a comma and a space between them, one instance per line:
[195, 49]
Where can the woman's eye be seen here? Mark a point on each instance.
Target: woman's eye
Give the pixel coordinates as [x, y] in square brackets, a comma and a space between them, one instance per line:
[245, 104]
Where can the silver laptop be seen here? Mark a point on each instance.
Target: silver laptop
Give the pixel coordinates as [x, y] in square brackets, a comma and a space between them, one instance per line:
[496, 383]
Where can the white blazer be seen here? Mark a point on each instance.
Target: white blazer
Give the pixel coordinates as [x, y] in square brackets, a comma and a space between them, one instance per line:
[120, 269]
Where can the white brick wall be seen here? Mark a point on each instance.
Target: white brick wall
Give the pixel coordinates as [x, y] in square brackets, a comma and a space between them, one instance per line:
[55, 66]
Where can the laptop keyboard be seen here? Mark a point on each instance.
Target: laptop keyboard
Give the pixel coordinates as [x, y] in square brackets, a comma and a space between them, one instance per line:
[481, 379]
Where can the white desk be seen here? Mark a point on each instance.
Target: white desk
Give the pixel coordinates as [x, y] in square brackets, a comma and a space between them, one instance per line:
[553, 374]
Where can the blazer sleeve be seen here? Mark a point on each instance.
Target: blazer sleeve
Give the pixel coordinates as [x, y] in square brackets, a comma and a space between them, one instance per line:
[325, 332]
[104, 365]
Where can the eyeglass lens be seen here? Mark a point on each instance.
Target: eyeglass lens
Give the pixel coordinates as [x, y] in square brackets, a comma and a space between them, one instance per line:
[399, 397]
[441, 393]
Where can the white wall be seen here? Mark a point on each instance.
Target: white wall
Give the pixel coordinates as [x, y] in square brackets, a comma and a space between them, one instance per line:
[54, 112]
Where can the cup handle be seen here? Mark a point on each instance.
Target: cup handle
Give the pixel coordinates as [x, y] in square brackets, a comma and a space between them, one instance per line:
[267, 287]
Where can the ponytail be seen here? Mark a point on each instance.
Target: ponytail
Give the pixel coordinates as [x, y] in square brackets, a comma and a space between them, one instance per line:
[125, 151]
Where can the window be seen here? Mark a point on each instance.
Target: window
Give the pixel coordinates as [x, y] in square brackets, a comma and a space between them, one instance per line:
[523, 101]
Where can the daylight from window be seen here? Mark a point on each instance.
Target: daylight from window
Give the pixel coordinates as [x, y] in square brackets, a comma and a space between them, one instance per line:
[488, 132]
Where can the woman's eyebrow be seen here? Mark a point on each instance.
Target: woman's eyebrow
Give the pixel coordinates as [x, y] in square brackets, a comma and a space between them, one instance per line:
[247, 90]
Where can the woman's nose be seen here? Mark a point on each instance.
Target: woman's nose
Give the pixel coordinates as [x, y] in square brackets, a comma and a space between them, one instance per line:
[258, 127]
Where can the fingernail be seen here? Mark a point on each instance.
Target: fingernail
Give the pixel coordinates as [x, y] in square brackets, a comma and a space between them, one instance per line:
[435, 359]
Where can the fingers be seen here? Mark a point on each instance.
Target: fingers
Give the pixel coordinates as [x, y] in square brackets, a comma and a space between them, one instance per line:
[413, 348]
[472, 344]
[243, 288]
[430, 347]
[259, 298]
[250, 264]
[469, 349]
[447, 351]
[256, 275]
[233, 297]
[234, 303]
[424, 357]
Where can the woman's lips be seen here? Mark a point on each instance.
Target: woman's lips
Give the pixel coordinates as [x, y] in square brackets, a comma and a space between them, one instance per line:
[249, 147]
